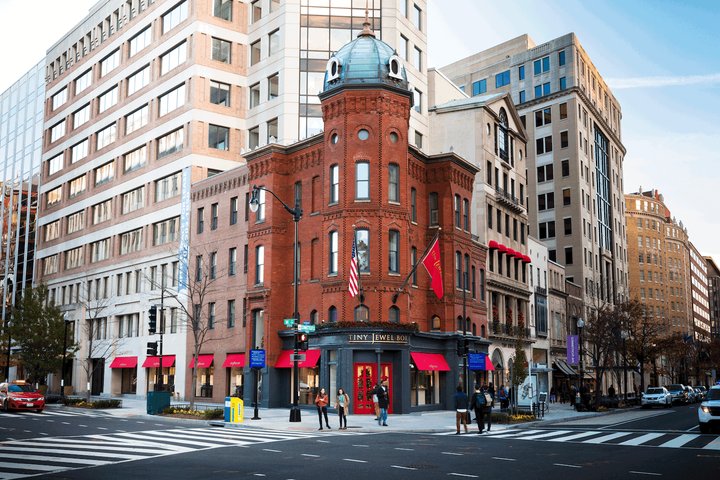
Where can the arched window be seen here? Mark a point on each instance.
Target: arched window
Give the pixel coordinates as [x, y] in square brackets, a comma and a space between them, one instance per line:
[362, 242]
[259, 265]
[313, 317]
[435, 322]
[394, 182]
[434, 210]
[474, 331]
[334, 183]
[332, 314]
[362, 313]
[362, 181]
[333, 260]
[458, 270]
[459, 323]
[502, 137]
[482, 331]
[394, 314]
[394, 251]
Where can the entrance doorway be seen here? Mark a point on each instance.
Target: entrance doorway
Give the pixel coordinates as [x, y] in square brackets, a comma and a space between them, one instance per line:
[365, 379]
[98, 376]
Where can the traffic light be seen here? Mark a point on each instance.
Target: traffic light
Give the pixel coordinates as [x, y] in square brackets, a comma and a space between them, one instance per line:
[152, 319]
[303, 341]
[462, 347]
[152, 349]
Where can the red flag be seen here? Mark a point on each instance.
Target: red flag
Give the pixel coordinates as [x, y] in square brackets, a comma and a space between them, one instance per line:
[431, 262]
[353, 283]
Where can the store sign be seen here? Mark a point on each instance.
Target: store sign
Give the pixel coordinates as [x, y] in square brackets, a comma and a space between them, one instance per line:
[257, 358]
[402, 338]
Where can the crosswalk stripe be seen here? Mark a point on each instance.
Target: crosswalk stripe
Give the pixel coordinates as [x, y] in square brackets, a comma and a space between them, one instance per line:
[193, 438]
[149, 437]
[79, 445]
[642, 439]
[24, 466]
[13, 448]
[513, 433]
[714, 445]
[679, 441]
[13, 476]
[550, 433]
[46, 459]
[607, 438]
[574, 436]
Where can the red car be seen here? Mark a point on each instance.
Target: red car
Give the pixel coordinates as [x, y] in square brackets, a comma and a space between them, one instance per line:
[19, 395]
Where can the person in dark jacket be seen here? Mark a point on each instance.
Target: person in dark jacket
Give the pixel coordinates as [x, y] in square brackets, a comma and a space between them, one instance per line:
[477, 404]
[461, 410]
[383, 397]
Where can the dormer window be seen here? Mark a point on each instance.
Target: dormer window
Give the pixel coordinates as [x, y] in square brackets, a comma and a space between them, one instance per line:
[395, 67]
[333, 69]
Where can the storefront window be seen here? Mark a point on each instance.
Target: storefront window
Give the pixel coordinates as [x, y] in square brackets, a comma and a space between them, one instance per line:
[309, 385]
[235, 382]
[424, 388]
[204, 386]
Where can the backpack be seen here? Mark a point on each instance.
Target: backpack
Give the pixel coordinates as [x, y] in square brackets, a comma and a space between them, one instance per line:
[478, 401]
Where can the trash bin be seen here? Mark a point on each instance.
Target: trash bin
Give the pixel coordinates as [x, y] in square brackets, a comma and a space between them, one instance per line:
[157, 402]
[234, 410]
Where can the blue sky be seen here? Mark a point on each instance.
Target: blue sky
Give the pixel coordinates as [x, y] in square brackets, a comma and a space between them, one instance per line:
[662, 61]
[660, 57]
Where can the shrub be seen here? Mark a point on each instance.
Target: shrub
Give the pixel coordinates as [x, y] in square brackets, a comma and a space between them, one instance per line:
[214, 414]
[211, 414]
[106, 404]
[521, 418]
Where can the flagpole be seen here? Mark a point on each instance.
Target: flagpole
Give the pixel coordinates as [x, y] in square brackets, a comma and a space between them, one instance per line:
[417, 262]
[361, 294]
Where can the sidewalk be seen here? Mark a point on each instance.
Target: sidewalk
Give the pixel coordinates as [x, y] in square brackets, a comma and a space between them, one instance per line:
[422, 422]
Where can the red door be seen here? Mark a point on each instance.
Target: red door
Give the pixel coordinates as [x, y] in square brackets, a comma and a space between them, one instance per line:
[365, 380]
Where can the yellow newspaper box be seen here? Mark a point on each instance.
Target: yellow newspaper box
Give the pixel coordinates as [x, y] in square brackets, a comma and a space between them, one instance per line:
[234, 410]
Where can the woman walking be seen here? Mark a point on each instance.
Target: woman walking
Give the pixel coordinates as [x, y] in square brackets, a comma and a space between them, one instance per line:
[342, 404]
[321, 400]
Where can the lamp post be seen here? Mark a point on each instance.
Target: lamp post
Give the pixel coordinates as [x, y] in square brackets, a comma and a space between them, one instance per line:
[580, 325]
[296, 214]
[624, 334]
[62, 368]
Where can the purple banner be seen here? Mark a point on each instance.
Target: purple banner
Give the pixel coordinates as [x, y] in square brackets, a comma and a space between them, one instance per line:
[573, 358]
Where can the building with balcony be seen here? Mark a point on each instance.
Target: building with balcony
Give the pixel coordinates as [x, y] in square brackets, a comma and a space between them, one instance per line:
[540, 314]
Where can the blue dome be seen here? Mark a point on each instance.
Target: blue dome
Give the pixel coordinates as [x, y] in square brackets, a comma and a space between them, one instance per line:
[365, 60]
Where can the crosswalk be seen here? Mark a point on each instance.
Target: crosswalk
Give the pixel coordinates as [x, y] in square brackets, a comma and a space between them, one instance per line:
[37, 456]
[605, 437]
[53, 412]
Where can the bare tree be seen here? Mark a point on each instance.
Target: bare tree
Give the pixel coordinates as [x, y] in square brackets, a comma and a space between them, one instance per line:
[643, 344]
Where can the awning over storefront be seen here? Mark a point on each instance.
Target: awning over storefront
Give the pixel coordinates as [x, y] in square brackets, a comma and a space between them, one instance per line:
[203, 361]
[488, 364]
[433, 362]
[311, 359]
[234, 360]
[154, 362]
[124, 362]
[566, 369]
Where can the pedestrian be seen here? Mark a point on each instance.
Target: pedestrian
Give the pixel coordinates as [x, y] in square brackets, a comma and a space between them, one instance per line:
[321, 400]
[375, 402]
[502, 397]
[489, 403]
[477, 404]
[611, 391]
[491, 389]
[383, 397]
[552, 395]
[342, 403]
[461, 409]
[573, 392]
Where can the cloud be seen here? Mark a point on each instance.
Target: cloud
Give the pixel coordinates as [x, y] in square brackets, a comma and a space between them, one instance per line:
[656, 82]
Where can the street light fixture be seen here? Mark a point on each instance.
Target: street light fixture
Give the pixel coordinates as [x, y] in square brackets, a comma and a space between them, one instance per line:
[296, 214]
[580, 326]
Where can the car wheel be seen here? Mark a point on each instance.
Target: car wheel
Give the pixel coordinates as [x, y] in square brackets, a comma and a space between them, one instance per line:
[704, 428]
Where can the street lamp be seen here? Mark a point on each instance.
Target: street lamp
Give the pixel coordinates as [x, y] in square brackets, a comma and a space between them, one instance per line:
[580, 325]
[624, 334]
[62, 368]
[296, 214]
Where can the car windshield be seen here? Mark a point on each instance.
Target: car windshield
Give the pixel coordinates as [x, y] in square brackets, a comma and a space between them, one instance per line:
[21, 388]
[652, 391]
[714, 394]
[675, 387]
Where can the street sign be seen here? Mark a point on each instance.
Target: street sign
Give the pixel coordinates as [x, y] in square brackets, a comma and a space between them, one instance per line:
[306, 328]
[289, 322]
[300, 357]
[257, 358]
[476, 361]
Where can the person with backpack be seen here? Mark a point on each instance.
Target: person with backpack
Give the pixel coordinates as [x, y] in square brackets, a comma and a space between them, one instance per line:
[489, 403]
[477, 404]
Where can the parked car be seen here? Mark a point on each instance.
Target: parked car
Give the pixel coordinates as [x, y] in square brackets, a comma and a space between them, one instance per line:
[656, 396]
[691, 395]
[18, 395]
[709, 410]
[677, 390]
[701, 391]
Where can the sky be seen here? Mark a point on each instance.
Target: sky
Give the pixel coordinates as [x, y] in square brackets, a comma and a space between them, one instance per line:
[659, 57]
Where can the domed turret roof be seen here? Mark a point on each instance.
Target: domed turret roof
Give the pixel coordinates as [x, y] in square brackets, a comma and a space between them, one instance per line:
[365, 60]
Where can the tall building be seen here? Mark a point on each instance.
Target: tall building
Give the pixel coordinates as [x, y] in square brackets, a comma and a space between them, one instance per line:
[714, 296]
[574, 154]
[699, 294]
[21, 123]
[144, 98]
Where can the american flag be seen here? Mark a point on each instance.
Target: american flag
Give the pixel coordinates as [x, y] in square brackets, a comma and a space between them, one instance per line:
[353, 283]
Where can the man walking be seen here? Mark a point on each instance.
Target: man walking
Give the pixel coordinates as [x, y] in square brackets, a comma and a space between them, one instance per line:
[477, 404]
[461, 410]
[383, 402]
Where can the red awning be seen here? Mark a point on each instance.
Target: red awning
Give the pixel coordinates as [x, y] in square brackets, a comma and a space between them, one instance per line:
[488, 364]
[433, 362]
[519, 255]
[502, 248]
[203, 361]
[510, 252]
[493, 245]
[311, 359]
[234, 360]
[124, 362]
[154, 362]
[527, 259]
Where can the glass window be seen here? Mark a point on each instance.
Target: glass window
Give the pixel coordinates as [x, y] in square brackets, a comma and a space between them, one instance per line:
[108, 99]
[418, 59]
[219, 137]
[57, 131]
[223, 9]
[561, 58]
[55, 164]
[521, 96]
[54, 196]
[80, 117]
[172, 100]
[75, 222]
[413, 205]
[214, 213]
[255, 52]
[140, 41]
[83, 82]
[219, 93]
[563, 111]
[135, 159]
[109, 63]
[362, 181]
[131, 241]
[417, 17]
[173, 58]
[433, 209]
[272, 130]
[138, 80]
[333, 260]
[417, 100]
[334, 183]
[232, 261]
[256, 11]
[413, 262]
[394, 182]
[73, 258]
[479, 87]
[221, 50]
[137, 119]
[168, 187]
[170, 143]
[100, 250]
[521, 72]
[106, 136]
[394, 251]
[502, 79]
[362, 239]
[259, 265]
[167, 231]
[175, 16]
[260, 214]
[233, 210]
[563, 83]
[273, 86]
[254, 95]
[394, 314]
[273, 42]
[104, 173]
[231, 313]
[133, 200]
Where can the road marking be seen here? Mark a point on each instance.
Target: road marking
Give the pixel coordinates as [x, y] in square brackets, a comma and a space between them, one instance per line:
[566, 465]
[43, 433]
[463, 475]
[646, 473]
[362, 446]
[101, 428]
[272, 450]
[641, 439]
[50, 421]
[696, 427]
[547, 434]
[13, 448]
[45, 459]
[65, 423]
[322, 441]
[451, 453]
[139, 422]
[679, 441]
[354, 460]
[606, 438]
[22, 466]
[405, 449]
[714, 445]
[309, 455]
[506, 434]
[403, 468]
[574, 437]
[82, 426]
[505, 459]
[159, 425]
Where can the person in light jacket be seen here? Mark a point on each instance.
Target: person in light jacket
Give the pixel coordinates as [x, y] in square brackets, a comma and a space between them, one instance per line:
[342, 404]
[321, 401]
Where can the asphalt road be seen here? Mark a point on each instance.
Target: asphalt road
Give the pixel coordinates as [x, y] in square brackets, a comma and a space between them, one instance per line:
[631, 444]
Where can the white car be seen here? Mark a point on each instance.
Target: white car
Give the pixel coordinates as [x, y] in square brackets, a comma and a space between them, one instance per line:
[709, 410]
[656, 396]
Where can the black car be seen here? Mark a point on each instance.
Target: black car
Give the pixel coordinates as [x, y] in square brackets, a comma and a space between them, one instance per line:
[677, 390]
